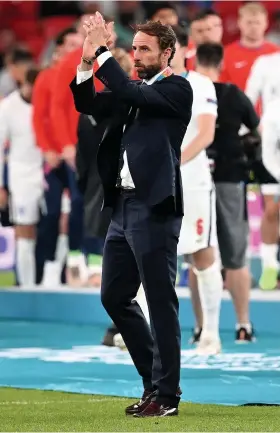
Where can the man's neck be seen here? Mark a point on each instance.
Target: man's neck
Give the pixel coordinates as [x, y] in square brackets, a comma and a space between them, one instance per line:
[211, 73]
[247, 43]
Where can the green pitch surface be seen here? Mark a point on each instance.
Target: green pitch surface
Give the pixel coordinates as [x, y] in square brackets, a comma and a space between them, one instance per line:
[47, 411]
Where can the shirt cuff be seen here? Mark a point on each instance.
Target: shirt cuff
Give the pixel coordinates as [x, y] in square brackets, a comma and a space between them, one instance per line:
[103, 57]
[83, 76]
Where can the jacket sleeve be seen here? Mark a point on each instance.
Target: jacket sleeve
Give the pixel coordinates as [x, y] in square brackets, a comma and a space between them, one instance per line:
[169, 97]
[88, 101]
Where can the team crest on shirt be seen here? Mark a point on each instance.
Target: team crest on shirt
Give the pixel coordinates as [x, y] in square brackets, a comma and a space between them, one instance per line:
[21, 210]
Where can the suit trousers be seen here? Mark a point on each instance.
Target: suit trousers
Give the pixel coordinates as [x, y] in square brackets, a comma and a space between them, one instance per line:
[141, 246]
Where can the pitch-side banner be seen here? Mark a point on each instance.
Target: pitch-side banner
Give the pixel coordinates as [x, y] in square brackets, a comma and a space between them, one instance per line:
[7, 248]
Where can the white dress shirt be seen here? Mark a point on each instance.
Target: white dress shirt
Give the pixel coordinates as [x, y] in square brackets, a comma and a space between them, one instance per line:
[126, 178]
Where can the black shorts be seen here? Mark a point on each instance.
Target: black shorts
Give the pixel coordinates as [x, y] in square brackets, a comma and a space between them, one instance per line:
[260, 175]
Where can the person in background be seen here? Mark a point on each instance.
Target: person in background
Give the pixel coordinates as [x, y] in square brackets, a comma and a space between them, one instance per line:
[239, 58]
[230, 176]
[64, 120]
[240, 55]
[25, 173]
[198, 236]
[64, 117]
[162, 11]
[206, 26]
[52, 247]
[264, 85]
[271, 138]
[274, 34]
[17, 62]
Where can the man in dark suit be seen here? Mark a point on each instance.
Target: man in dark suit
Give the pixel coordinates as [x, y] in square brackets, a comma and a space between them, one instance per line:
[139, 166]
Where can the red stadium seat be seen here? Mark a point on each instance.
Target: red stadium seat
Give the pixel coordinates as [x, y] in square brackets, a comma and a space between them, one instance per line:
[25, 28]
[36, 45]
[51, 26]
[26, 9]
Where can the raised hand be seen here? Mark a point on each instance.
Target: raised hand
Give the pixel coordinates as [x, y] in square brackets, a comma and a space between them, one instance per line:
[112, 35]
[98, 34]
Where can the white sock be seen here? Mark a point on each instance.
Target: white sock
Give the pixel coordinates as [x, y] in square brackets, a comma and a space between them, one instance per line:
[76, 258]
[269, 256]
[61, 249]
[247, 326]
[210, 287]
[52, 274]
[25, 261]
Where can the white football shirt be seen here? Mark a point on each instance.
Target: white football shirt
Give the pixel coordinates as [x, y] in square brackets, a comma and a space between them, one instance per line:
[271, 138]
[24, 157]
[263, 82]
[196, 173]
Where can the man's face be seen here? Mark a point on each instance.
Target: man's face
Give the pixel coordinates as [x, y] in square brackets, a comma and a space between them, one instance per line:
[18, 71]
[253, 26]
[209, 29]
[28, 89]
[72, 41]
[148, 58]
[166, 17]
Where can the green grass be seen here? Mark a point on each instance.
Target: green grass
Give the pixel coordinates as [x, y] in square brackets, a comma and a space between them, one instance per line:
[47, 411]
[7, 278]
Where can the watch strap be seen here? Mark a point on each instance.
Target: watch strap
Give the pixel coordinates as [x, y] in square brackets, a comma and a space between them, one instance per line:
[101, 50]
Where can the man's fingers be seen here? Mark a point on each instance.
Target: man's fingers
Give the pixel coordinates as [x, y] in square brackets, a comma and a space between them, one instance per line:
[99, 18]
[110, 26]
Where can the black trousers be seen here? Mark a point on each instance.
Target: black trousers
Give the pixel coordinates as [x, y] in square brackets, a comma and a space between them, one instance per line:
[142, 247]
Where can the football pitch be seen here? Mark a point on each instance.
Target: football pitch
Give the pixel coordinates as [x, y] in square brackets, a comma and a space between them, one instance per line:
[48, 411]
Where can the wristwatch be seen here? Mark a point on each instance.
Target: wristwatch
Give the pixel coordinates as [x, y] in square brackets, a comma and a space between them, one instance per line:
[101, 50]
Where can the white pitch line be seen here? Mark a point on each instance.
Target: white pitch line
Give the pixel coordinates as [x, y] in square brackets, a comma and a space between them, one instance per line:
[92, 400]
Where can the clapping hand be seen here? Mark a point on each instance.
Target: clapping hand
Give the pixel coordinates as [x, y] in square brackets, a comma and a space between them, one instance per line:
[98, 33]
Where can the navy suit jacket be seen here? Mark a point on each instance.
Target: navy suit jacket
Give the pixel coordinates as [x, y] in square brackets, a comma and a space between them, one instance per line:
[152, 141]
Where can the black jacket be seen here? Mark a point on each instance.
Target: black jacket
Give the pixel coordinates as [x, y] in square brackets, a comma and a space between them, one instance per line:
[96, 222]
[152, 142]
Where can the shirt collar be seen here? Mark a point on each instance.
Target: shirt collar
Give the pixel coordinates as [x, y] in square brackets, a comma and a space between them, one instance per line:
[155, 77]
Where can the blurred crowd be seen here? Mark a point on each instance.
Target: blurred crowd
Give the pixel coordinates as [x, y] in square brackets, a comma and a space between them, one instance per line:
[55, 211]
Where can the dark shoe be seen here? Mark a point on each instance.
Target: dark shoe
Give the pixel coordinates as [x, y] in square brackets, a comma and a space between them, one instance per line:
[243, 335]
[196, 333]
[108, 339]
[155, 409]
[141, 404]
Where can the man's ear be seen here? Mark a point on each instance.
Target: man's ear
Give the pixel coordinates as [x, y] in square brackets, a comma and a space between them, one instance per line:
[167, 53]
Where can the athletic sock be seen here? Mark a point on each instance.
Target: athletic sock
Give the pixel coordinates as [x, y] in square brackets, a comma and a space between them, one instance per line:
[61, 250]
[25, 261]
[210, 287]
[269, 256]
